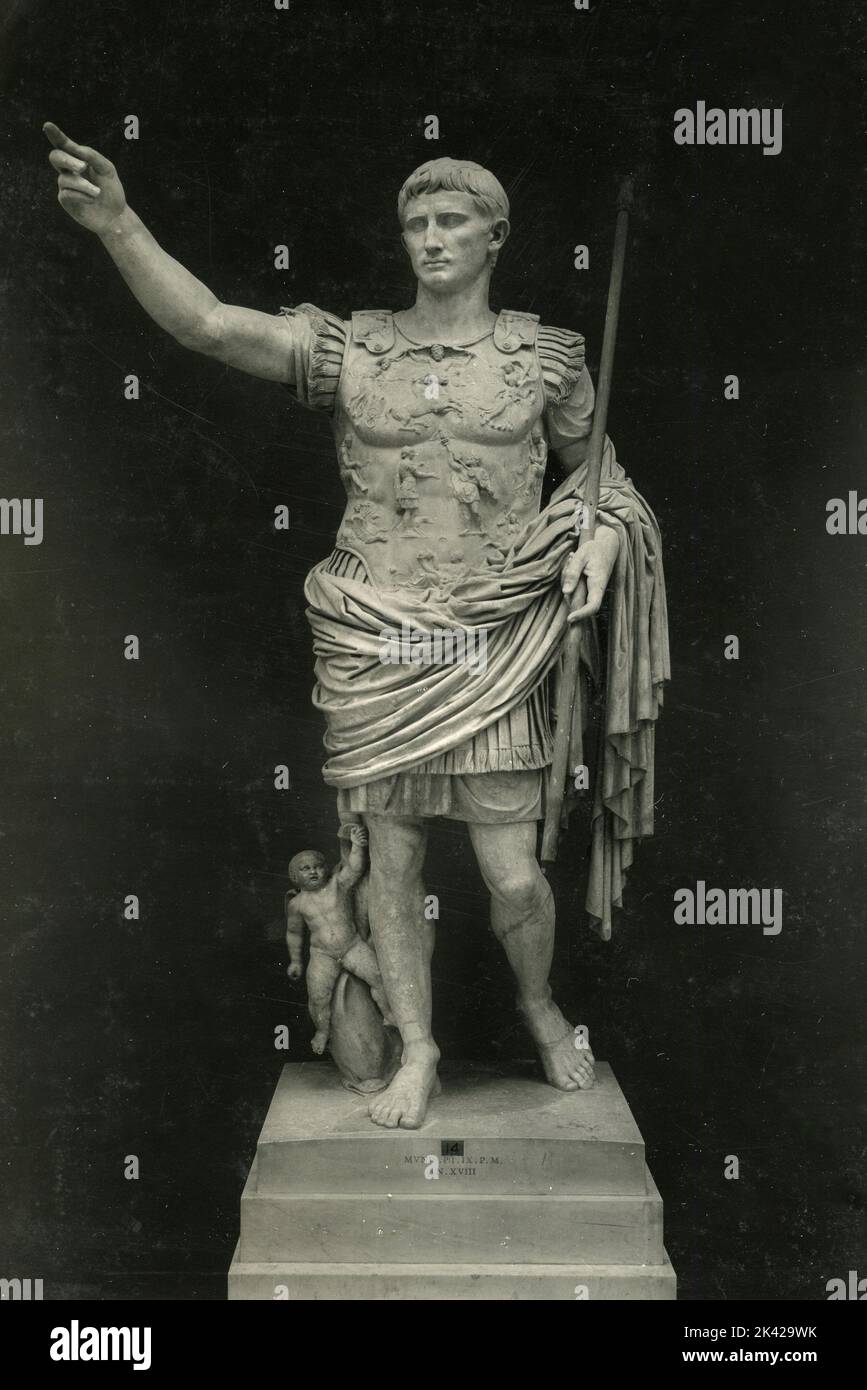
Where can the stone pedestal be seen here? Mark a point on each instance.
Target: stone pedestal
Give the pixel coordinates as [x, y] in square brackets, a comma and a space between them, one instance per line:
[540, 1194]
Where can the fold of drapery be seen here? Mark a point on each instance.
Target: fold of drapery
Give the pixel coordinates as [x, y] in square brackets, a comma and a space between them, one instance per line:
[388, 718]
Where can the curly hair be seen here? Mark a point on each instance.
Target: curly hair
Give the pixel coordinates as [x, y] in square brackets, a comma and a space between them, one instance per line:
[456, 176]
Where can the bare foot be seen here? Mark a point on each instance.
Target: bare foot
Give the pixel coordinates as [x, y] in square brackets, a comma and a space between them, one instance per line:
[404, 1102]
[566, 1067]
[318, 1042]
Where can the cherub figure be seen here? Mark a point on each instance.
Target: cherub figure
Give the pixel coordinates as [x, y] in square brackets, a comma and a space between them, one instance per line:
[323, 902]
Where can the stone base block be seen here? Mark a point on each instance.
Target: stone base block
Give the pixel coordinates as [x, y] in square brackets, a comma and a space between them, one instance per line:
[432, 1282]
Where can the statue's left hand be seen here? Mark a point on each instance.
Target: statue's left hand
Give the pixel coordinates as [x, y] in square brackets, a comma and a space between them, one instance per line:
[594, 560]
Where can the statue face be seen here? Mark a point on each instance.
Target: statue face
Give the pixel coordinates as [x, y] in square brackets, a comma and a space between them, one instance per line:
[449, 240]
[310, 871]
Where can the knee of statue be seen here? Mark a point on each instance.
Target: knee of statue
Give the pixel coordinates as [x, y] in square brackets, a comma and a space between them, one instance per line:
[522, 887]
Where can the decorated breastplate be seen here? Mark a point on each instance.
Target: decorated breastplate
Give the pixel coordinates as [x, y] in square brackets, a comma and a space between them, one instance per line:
[441, 450]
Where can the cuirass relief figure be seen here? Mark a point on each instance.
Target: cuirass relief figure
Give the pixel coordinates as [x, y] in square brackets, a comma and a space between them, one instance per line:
[443, 437]
[446, 416]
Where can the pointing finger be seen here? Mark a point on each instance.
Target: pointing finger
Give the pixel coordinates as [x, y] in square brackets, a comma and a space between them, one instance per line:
[55, 134]
[98, 162]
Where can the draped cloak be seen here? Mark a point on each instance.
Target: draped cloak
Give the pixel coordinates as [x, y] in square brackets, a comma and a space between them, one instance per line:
[385, 719]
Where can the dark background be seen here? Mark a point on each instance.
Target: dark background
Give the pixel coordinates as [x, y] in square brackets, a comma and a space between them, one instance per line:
[155, 777]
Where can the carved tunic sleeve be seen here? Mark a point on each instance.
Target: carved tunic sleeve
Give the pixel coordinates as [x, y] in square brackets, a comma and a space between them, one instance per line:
[316, 343]
[568, 386]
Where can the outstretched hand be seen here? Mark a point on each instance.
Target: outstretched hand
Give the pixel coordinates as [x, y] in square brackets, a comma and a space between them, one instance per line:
[593, 561]
[88, 186]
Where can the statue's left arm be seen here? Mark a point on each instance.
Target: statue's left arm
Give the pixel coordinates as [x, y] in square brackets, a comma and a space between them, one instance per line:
[570, 421]
[570, 415]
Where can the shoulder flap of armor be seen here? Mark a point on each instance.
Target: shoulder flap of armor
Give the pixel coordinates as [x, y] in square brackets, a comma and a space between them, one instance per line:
[374, 329]
[316, 382]
[321, 321]
[561, 353]
[514, 330]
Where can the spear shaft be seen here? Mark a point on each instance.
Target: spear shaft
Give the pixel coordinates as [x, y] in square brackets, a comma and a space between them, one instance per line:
[569, 690]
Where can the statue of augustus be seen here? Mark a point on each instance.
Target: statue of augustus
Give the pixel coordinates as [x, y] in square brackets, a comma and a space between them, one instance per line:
[444, 414]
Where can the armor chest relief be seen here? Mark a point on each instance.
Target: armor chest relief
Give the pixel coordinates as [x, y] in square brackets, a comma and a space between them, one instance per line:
[442, 452]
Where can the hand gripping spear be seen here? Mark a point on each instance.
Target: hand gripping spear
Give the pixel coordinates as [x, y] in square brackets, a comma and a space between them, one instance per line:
[569, 691]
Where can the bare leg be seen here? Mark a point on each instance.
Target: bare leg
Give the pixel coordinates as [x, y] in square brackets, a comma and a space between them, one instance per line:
[360, 960]
[322, 975]
[522, 916]
[404, 942]
[362, 916]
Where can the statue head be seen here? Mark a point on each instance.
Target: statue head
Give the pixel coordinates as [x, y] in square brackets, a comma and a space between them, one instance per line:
[455, 220]
[308, 869]
[456, 176]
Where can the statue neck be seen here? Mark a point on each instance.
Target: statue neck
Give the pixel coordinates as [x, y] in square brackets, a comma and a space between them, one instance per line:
[450, 318]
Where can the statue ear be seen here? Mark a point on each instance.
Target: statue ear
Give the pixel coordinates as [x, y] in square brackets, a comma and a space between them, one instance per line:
[500, 229]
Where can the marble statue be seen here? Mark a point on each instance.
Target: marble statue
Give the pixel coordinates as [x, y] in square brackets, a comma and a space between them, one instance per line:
[444, 414]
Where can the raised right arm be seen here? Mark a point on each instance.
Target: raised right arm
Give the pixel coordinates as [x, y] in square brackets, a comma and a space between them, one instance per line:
[354, 866]
[90, 191]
